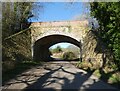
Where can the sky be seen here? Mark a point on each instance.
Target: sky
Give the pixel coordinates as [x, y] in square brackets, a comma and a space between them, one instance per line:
[62, 45]
[57, 11]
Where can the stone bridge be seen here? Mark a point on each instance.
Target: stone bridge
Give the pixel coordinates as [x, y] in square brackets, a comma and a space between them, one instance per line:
[46, 34]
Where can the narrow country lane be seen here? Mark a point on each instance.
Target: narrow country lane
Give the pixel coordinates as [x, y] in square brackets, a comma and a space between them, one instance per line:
[57, 75]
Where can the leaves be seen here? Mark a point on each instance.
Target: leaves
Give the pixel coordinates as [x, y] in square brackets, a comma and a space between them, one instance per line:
[15, 16]
[108, 16]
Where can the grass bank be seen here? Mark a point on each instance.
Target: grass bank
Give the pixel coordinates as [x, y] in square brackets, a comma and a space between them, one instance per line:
[106, 74]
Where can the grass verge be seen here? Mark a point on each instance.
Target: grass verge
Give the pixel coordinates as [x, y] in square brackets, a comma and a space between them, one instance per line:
[110, 77]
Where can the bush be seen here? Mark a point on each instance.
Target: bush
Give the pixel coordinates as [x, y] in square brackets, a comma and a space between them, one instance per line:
[108, 16]
[69, 56]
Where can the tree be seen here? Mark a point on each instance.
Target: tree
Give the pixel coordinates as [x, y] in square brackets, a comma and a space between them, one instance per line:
[108, 16]
[58, 49]
[15, 17]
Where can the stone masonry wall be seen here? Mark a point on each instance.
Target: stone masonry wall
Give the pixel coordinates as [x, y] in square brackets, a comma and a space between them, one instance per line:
[95, 51]
[74, 29]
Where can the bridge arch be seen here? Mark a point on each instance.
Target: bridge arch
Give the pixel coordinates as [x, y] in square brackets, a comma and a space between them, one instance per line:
[41, 46]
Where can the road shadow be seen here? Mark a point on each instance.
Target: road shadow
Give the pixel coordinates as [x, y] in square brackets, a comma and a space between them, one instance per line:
[78, 82]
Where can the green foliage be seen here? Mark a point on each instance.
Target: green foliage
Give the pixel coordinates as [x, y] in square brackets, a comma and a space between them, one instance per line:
[15, 17]
[115, 78]
[69, 56]
[108, 16]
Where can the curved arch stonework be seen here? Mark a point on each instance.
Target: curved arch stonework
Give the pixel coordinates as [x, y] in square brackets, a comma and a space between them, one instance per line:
[73, 29]
[41, 46]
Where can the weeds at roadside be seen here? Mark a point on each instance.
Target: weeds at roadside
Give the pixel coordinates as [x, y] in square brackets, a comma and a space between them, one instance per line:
[112, 78]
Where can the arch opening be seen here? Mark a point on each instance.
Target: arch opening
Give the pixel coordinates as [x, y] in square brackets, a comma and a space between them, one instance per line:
[64, 51]
[41, 47]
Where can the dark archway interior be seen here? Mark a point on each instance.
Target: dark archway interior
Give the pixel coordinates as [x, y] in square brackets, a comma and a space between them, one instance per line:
[41, 47]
